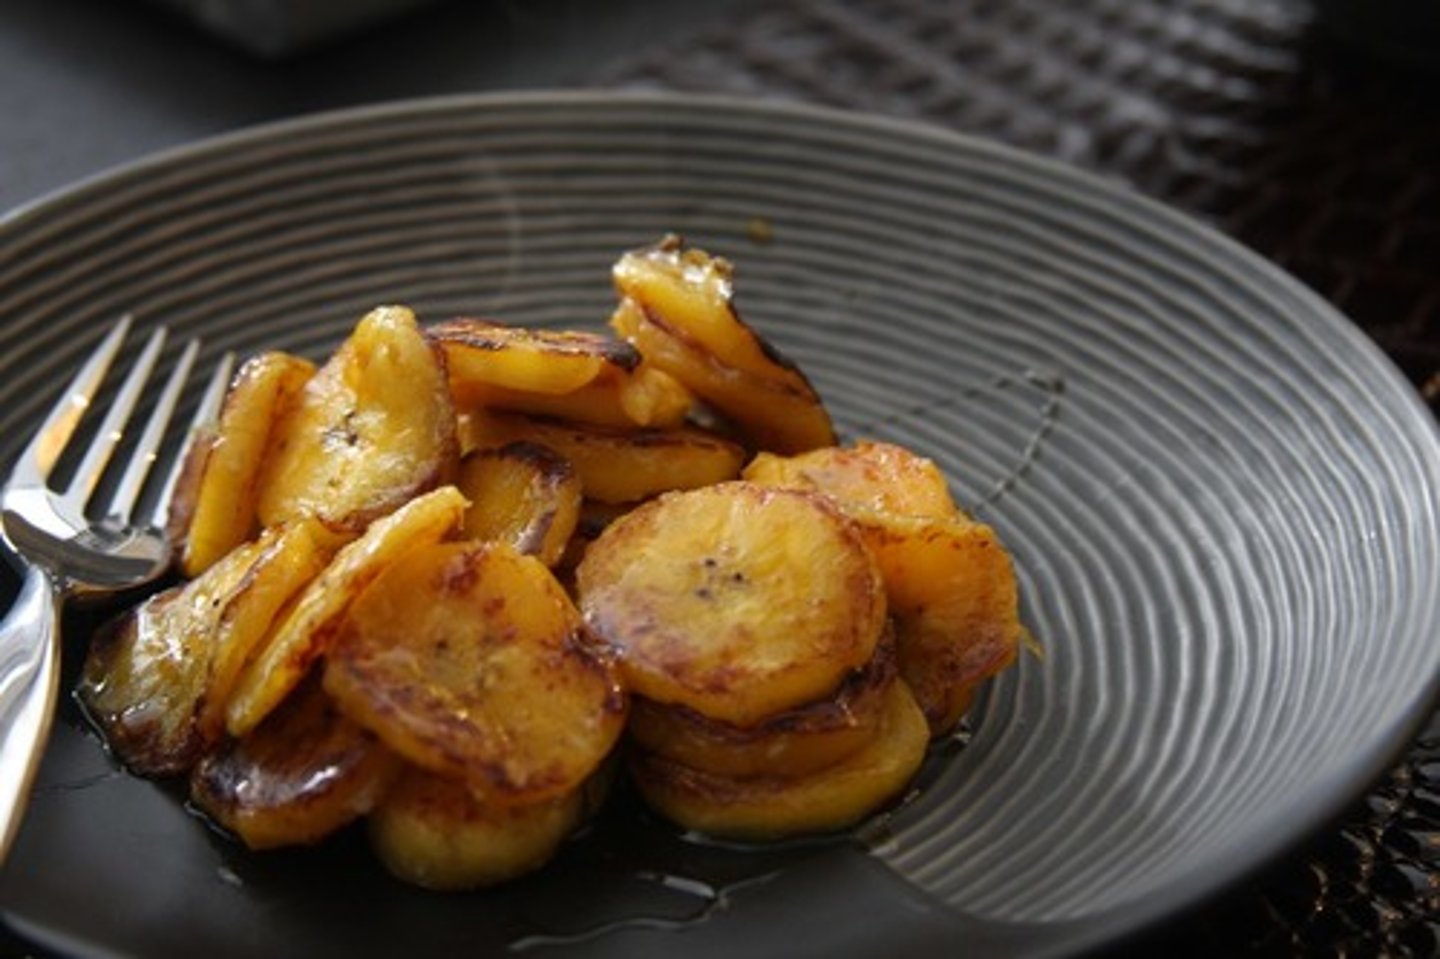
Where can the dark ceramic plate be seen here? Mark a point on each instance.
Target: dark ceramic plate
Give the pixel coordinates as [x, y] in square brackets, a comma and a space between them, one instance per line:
[1218, 493]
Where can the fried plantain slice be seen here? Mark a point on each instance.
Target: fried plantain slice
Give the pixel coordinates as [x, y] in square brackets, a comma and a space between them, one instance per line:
[372, 429]
[736, 600]
[777, 806]
[949, 581]
[677, 309]
[308, 627]
[881, 477]
[290, 557]
[435, 833]
[215, 505]
[145, 676]
[795, 742]
[303, 773]
[468, 659]
[955, 603]
[483, 356]
[617, 397]
[615, 465]
[523, 494]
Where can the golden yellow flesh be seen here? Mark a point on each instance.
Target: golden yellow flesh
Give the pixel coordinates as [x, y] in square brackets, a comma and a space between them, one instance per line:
[795, 742]
[874, 476]
[470, 661]
[949, 581]
[736, 600]
[226, 464]
[522, 494]
[773, 412]
[678, 311]
[694, 293]
[301, 775]
[775, 807]
[144, 679]
[616, 466]
[309, 624]
[955, 604]
[434, 832]
[483, 356]
[289, 558]
[372, 429]
[616, 397]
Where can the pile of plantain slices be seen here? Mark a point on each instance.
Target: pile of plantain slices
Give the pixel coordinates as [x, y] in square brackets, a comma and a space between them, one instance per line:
[434, 583]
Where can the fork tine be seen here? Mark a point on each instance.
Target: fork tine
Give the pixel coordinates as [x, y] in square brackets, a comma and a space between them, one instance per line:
[39, 456]
[206, 413]
[112, 428]
[122, 501]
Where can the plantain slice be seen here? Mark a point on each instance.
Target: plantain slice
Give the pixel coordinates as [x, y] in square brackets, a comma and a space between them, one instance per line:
[308, 626]
[372, 429]
[483, 356]
[736, 600]
[775, 807]
[290, 557]
[616, 466]
[874, 476]
[677, 309]
[616, 397]
[949, 581]
[795, 742]
[434, 832]
[303, 773]
[145, 676]
[215, 504]
[469, 660]
[955, 603]
[523, 494]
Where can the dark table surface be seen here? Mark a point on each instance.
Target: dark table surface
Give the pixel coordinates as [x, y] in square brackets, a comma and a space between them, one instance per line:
[1251, 114]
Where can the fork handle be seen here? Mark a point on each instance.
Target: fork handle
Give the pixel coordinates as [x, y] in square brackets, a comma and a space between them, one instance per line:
[29, 680]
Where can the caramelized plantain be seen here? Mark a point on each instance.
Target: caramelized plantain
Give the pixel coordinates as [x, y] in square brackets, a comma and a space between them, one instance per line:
[523, 494]
[289, 558]
[468, 659]
[371, 430]
[774, 807]
[880, 477]
[574, 377]
[308, 626]
[483, 356]
[616, 466]
[677, 309]
[949, 581]
[795, 742]
[145, 676]
[434, 832]
[215, 504]
[303, 773]
[736, 600]
[954, 599]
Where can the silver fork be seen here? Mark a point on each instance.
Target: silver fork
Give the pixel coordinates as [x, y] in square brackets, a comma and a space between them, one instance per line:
[64, 554]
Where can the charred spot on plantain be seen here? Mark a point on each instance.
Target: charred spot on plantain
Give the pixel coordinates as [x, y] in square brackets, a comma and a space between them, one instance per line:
[343, 433]
[488, 335]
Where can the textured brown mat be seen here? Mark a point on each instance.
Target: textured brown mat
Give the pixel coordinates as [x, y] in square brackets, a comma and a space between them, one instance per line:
[1249, 114]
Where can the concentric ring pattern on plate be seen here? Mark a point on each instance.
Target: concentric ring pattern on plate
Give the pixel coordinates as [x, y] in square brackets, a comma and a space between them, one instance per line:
[1217, 493]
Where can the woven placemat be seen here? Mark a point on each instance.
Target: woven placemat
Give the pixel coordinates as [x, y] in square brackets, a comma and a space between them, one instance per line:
[1252, 116]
